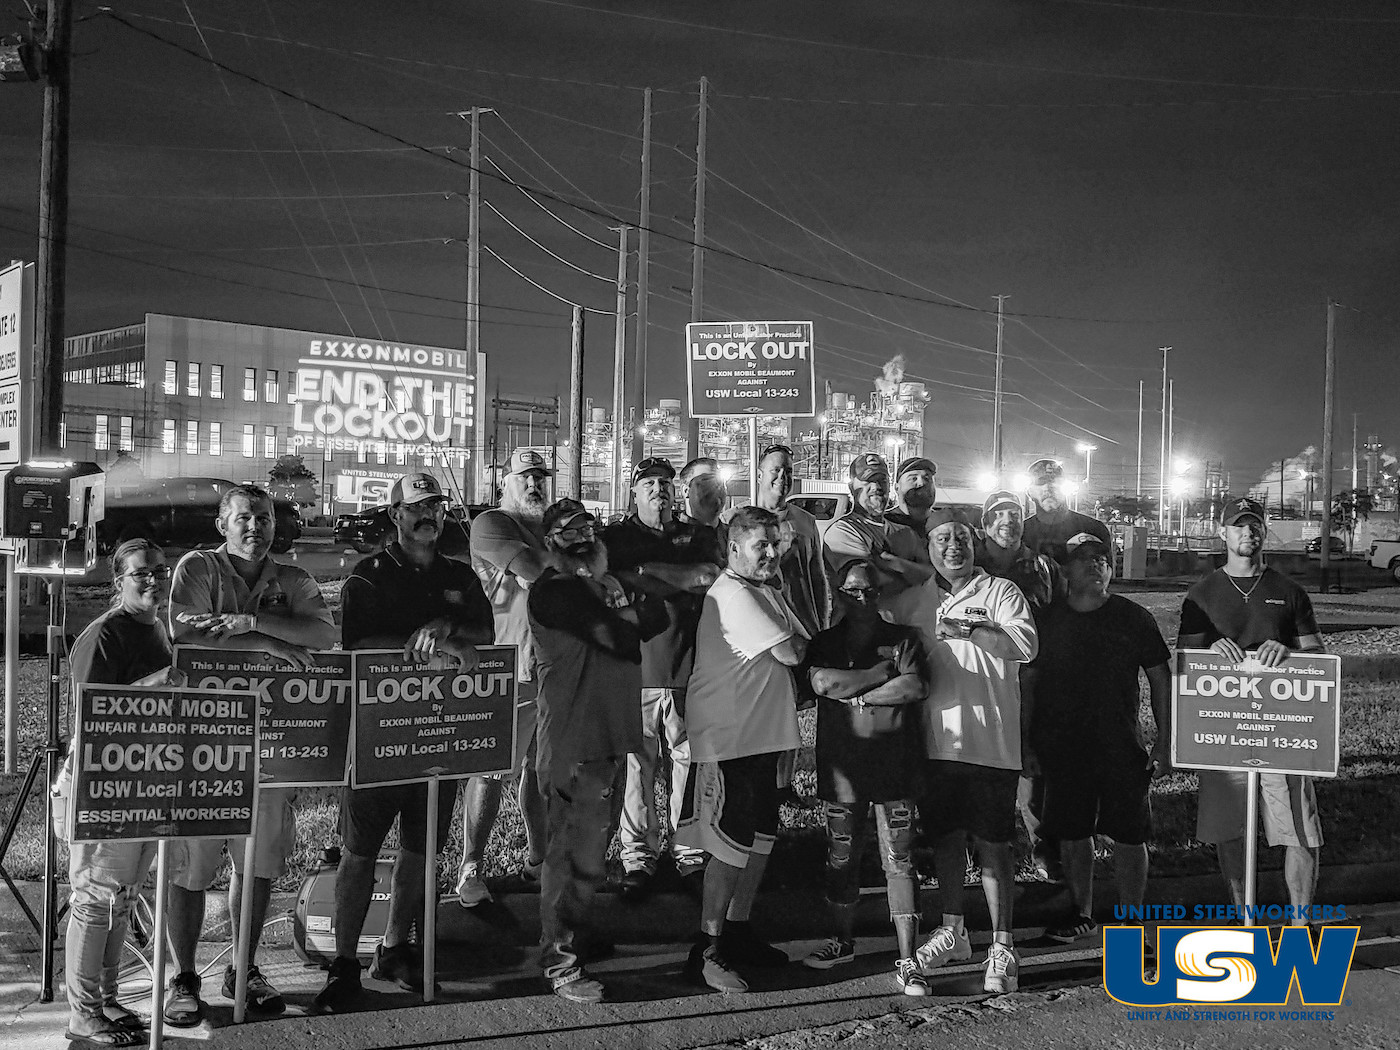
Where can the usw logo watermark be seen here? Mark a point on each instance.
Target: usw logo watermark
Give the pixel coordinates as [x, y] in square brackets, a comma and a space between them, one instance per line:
[1230, 964]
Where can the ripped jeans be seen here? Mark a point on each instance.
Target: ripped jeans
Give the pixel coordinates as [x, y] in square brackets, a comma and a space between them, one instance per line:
[847, 829]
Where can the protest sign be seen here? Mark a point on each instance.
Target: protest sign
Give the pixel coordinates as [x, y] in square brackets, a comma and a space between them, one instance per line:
[415, 721]
[761, 368]
[305, 729]
[163, 763]
[1244, 717]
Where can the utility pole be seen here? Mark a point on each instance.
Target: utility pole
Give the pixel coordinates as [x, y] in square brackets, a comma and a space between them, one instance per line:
[1141, 389]
[639, 347]
[50, 276]
[996, 400]
[1162, 469]
[576, 406]
[1329, 391]
[616, 482]
[473, 332]
[697, 263]
[1354, 464]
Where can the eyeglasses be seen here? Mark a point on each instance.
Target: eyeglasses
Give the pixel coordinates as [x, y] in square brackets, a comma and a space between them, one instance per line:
[574, 533]
[859, 592]
[160, 572]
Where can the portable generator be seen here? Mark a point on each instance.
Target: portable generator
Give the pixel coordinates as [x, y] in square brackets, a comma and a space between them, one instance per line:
[313, 922]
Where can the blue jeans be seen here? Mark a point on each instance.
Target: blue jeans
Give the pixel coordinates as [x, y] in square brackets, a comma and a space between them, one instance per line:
[578, 805]
[846, 836]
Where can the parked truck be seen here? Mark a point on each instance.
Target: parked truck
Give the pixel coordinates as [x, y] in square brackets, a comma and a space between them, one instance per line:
[1385, 554]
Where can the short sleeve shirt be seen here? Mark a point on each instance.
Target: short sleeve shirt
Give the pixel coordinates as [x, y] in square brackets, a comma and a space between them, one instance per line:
[387, 594]
[1051, 538]
[802, 569]
[117, 649]
[1277, 610]
[857, 535]
[497, 539]
[741, 700]
[1087, 698]
[207, 582]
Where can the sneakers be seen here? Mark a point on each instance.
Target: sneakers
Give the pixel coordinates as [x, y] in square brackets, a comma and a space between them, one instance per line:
[636, 885]
[577, 987]
[835, 952]
[401, 965]
[183, 1006]
[742, 945]
[342, 990]
[1003, 973]
[1073, 929]
[909, 979]
[708, 967]
[262, 997]
[944, 946]
[471, 891]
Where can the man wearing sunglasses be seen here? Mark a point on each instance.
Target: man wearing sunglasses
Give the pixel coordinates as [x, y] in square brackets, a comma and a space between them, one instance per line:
[675, 562]
[1049, 530]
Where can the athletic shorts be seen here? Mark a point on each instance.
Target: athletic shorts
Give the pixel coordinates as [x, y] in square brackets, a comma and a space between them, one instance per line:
[961, 796]
[1287, 808]
[367, 814]
[731, 808]
[195, 862]
[1106, 799]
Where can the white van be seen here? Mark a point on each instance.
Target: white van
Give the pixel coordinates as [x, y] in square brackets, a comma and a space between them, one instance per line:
[828, 500]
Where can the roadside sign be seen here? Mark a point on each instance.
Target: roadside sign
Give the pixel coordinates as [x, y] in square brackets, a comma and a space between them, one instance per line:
[16, 350]
[1246, 717]
[761, 368]
[414, 722]
[163, 764]
[304, 733]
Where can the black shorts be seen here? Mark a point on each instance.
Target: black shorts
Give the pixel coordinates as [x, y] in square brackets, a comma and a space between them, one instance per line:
[960, 796]
[1107, 798]
[731, 808]
[366, 814]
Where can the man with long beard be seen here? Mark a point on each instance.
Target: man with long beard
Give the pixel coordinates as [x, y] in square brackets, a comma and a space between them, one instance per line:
[588, 631]
[508, 554]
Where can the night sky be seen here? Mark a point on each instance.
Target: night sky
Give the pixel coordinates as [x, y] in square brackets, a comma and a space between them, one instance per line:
[1131, 175]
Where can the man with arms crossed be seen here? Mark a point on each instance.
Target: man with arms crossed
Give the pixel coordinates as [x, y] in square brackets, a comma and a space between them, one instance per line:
[977, 634]
[1243, 610]
[866, 531]
[412, 598]
[237, 598]
[742, 716]
[508, 555]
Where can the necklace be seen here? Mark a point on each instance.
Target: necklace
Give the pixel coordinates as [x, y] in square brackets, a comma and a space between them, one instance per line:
[1243, 593]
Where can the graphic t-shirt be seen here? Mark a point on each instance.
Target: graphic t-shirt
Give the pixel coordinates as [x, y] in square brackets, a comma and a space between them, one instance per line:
[1277, 609]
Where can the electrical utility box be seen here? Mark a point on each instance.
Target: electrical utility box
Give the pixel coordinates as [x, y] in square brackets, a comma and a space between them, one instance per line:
[51, 511]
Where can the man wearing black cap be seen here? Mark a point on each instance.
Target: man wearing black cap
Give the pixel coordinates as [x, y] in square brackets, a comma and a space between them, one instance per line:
[588, 630]
[867, 531]
[1244, 608]
[676, 562]
[914, 492]
[1082, 694]
[1049, 529]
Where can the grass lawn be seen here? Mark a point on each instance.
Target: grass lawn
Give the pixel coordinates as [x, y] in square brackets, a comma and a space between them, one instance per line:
[1358, 807]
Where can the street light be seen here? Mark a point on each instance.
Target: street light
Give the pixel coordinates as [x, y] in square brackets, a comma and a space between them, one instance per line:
[1088, 451]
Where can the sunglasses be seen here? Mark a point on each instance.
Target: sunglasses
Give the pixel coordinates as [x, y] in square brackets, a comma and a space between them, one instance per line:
[160, 572]
[775, 448]
[574, 533]
[859, 592]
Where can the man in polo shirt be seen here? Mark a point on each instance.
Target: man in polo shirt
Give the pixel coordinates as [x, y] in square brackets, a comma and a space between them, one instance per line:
[867, 531]
[407, 597]
[977, 633]
[914, 492]
[1246, 609]
[588, 630]
[675, 561]
[237, 598]
[1050, 528]
[508, 555]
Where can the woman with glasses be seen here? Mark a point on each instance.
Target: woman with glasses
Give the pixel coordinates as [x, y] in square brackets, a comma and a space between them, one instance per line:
[127, 645]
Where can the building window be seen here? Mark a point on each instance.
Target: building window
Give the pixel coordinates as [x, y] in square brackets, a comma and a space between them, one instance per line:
[216, 381]
[249, 451]
[401, 454]
[192, 437]
[270, 386]
[269, 442]
[100, 441]
[214, 439]
[192, 379]
[360, 452]
[250, 384]
[124, 437]
[171, 380]
[167, 437]
[383, 450]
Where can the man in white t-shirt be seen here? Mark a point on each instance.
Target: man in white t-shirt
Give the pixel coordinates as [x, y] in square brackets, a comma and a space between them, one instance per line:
[977, 634]
[741, 715]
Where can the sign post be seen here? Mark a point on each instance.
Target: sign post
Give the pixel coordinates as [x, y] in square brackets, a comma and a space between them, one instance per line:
[1246, 718]
[16, 433]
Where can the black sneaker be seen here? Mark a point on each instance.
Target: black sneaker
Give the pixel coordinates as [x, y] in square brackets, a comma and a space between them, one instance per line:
[707, 966]
[342, 991]
[742, 945]
[1074, 928]
[183, 1006]
[636, 885]
[262, 997]
[401, 965]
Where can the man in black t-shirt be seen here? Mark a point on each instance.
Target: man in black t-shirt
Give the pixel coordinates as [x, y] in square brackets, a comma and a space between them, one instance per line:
[1050, 528]
[1085, 735]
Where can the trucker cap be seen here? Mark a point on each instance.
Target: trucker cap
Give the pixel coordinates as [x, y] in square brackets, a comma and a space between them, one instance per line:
[1044, 470]
[867, 466]
[523, 460]
[563, 513]
[415, 488]
[653, 467]
[1001, 498]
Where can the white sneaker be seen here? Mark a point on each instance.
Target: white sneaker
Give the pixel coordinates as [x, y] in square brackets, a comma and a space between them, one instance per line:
[471, 891]
[1003, 969]
[944, 946]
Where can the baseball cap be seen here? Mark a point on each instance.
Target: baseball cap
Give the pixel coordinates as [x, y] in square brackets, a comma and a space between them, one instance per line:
[1244, 507]
[867, 466]
[941, 516]
[1044, 469]
[527, 459]
[1001, 498]
[915, 463]
[415, 488]
[653, 467]
[563, 513]
[1083, 541]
